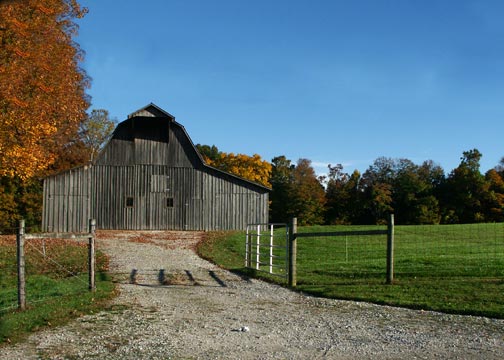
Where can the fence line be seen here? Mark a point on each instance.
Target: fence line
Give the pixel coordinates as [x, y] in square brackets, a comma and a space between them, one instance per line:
[294, 235]
[410, 253]
[20, 252]
[457, 251]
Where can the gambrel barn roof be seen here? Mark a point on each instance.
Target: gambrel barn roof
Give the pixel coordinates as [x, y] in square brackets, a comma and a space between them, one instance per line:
[151, 176]
[154, 124]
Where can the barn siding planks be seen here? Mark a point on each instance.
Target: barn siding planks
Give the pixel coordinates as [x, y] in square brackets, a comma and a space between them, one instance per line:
[201, 201]
[66, 201]
[150, 160]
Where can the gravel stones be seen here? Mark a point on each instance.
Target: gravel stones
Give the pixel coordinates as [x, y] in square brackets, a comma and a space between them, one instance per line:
[203, 312]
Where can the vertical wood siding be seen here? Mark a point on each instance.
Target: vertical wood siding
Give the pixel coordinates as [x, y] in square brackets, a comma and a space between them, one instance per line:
[133, 144]
[201, 201]
[66, 202]
[152, 164]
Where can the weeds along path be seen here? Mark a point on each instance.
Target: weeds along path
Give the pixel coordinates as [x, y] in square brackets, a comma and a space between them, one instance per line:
[184, 307]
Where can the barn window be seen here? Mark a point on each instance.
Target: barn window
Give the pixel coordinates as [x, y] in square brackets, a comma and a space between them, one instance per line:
[169, 202]
[129, 201]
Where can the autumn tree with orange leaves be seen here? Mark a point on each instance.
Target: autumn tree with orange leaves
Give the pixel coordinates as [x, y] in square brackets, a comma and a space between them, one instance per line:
[42, 100]
[42, 87]
[252, 168]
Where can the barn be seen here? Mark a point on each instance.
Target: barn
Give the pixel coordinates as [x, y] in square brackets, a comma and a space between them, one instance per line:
[150, 176]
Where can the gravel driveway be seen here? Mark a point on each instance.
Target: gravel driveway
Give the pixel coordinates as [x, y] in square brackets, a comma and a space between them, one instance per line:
[194, 310]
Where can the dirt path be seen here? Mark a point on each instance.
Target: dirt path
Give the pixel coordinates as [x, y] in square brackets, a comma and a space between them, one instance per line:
[203, 312]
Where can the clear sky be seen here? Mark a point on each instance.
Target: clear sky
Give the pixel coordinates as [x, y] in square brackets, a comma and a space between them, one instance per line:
[333, 81]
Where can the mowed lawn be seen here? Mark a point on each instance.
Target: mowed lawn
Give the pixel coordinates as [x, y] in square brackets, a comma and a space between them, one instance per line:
[449, 268]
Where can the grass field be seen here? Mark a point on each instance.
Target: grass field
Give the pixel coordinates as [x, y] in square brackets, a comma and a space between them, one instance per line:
[449, 268]
[56, 286]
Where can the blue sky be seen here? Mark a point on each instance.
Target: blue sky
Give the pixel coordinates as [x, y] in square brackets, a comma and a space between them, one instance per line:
[328, 80]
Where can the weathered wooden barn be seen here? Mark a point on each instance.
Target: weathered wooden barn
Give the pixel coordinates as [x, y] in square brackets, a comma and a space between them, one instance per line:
[150, 176]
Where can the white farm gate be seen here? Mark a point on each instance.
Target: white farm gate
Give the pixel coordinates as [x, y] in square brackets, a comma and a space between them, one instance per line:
[267, 248]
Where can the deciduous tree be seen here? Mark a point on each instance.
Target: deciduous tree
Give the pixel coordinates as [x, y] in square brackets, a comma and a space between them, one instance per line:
[464, 190]
[209, 153]
[307, 195]
[8, 208]
[343, 196]
[413, 193]
[19, 200]
[252, 168]
[42, 87]
[96, 130]
[376, 187]
[493, 202]
[281, 183]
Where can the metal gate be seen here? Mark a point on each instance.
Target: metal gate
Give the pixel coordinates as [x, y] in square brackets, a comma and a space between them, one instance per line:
[267, 248]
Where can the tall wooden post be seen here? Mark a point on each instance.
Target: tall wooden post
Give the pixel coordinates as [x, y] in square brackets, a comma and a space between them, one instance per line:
[91, 254]
[390, 250]
[292, 253]
[21, 266]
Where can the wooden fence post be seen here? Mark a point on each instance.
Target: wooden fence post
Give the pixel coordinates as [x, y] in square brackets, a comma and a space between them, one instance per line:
[292, 252]
[91, 254]
[390, 250]
[21, 266]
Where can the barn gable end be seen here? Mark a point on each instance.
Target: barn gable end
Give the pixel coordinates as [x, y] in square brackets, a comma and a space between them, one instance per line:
[151, 110]
[150, 176]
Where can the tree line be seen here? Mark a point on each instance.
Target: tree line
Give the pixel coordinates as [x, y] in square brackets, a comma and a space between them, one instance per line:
[416, 194]
[45, 128]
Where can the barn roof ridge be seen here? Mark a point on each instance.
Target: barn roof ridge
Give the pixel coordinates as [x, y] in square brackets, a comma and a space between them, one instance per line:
[156, 108]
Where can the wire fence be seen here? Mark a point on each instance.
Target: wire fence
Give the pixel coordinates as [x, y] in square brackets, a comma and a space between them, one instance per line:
[8, 272]
[454, 251]
[326, 259]
[421, 252]
[54, 268]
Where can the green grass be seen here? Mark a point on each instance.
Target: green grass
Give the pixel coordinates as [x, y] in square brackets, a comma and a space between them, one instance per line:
[448, 268]
[56, 286]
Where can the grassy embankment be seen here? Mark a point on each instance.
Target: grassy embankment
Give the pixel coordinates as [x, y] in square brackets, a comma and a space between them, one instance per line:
[449, 268]
[56, 286]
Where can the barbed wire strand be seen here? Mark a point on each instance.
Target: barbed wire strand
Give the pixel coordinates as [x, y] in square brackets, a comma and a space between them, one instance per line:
[62, 267]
